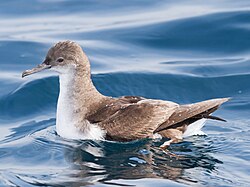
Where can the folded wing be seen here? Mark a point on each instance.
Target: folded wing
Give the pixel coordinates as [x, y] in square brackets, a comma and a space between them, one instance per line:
[137, 120]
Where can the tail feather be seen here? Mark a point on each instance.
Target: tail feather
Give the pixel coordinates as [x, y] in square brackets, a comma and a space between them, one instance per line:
[187, 114]
[215, 118]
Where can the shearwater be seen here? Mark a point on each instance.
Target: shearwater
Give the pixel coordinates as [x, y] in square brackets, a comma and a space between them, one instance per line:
[84, 113]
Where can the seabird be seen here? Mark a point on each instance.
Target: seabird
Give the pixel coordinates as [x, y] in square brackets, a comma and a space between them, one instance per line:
[84, 113]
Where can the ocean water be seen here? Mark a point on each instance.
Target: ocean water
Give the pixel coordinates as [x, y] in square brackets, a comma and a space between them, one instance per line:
[183, 51]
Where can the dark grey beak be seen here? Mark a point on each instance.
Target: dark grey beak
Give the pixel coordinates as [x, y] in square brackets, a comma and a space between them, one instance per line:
[40, 67]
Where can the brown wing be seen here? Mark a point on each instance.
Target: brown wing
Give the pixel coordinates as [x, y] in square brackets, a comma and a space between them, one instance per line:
[187, 111]
[111, 106]
[137, 120]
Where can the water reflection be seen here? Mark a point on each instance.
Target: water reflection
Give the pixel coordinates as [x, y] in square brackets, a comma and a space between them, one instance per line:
[106, 161]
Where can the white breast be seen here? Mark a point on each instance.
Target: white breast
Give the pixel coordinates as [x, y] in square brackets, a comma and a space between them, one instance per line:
[66, 125]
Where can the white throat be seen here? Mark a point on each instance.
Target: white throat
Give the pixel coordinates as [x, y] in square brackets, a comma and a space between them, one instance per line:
[67, 125]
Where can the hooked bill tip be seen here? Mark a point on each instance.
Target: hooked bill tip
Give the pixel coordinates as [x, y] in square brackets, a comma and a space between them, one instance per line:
[25, 73]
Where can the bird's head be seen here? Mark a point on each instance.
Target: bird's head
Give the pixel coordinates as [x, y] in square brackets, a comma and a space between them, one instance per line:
[62, 57]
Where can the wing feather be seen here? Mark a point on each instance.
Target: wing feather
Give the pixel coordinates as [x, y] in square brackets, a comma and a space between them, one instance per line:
[187, 111]
[138, 120]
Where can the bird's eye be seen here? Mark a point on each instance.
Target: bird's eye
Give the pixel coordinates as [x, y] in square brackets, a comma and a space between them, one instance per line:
[60, 59]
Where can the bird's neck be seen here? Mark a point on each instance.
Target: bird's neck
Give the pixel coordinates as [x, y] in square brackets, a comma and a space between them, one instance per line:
[77, 98]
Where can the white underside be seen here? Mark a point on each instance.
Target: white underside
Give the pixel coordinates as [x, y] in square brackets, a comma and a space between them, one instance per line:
[195, 128]
[69, 131]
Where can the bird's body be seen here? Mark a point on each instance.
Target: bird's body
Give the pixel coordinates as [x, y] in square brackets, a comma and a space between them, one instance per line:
[84, 113]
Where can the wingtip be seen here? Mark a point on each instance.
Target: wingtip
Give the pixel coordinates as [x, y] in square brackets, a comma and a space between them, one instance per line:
[223, 100]
[228, 98]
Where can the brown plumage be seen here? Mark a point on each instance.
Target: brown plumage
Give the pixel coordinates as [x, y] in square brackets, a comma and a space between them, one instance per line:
[129, 118]
[81, 107]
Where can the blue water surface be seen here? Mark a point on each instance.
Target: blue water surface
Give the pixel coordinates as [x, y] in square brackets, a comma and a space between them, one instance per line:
[183, 51]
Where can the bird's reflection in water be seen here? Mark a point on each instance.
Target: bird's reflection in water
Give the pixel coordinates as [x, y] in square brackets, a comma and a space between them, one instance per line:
[106, 161]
